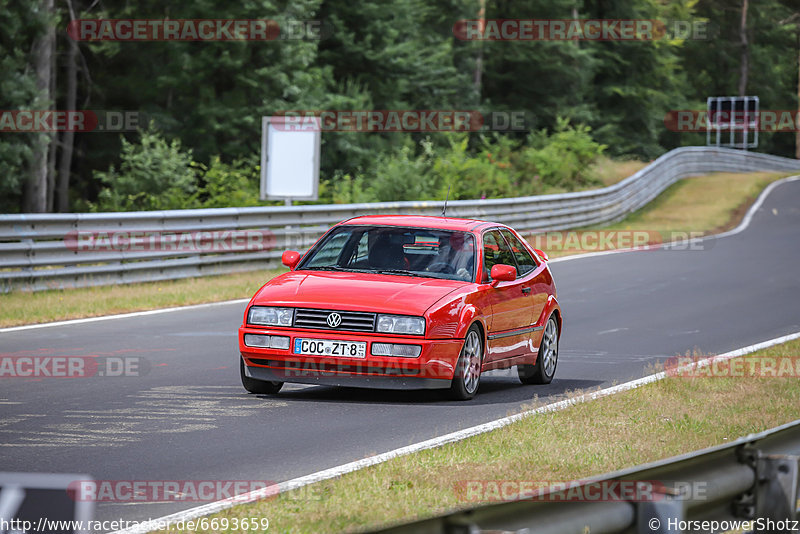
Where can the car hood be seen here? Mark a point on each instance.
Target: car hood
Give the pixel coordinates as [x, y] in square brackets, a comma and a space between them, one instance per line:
[355, 291]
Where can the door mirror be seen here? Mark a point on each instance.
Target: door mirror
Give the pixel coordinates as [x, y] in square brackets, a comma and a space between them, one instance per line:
[290, 258]
[503, 273]
[542, 254]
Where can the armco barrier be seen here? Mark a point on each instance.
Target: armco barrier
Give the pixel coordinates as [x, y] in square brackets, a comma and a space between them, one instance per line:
[34, 251]
[751, 480]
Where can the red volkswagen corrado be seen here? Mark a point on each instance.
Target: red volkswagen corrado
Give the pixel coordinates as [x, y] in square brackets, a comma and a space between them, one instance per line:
[404, 302]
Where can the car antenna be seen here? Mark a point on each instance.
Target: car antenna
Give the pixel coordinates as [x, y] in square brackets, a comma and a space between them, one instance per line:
[444, 208]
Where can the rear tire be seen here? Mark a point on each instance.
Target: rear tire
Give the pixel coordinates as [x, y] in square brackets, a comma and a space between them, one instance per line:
[543, 371]
[253, 385]
[467, 377]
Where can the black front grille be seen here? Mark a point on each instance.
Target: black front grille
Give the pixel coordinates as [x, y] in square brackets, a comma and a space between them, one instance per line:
[351, 321]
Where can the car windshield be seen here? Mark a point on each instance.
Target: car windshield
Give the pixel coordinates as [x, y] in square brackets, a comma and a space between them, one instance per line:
[400, 251]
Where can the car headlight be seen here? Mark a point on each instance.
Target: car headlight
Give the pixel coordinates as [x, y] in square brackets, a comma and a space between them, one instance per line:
[401, 324]
[270, 316]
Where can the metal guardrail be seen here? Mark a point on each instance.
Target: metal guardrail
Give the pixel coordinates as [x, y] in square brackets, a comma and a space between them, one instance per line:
[751, 479]
[34, 253]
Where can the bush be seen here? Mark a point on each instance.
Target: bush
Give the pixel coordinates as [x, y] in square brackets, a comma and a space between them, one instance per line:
[224, 185]
[156, 174]
[498, 167]
[153, 175]
[562, 159]
[401, 176]
[472, 176]
[347, 189]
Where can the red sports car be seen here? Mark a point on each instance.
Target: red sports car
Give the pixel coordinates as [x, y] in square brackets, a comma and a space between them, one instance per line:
[404, 302]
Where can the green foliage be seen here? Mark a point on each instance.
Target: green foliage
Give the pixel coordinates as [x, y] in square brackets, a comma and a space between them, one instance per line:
[547, 79]
[470, 176]
[401, 176]
[501, 167]
[563, 158]
[774, 45]
[153, 175]
[156, 174]
[21, 23]
[349, 190]
[208, 97]
[394, 52]
[635, 83]
[542, 163]
[224, 185]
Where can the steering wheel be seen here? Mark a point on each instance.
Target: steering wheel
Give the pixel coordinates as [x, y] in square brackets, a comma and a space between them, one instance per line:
[449, 269]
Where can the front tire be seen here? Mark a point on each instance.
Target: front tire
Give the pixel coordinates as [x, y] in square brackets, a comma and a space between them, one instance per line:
[467, 377]
[261, 387]
[543, 371]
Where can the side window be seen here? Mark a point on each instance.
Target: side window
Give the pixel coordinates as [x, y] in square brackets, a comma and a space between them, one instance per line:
[525, 262]
[495, 250]
[362, 249]
[328, 253]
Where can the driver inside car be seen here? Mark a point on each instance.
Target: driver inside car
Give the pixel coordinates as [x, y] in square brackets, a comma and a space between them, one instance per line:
[458, 254]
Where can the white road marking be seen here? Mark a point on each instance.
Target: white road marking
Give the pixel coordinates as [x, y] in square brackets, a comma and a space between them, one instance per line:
[684, 333]
[123, 315]
[295, 483]
[742, 226]
[612, 330]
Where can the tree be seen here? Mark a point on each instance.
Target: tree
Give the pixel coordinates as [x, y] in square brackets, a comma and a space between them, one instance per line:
[744, 70]
[37, 192]
[18, 90]
[715, 63]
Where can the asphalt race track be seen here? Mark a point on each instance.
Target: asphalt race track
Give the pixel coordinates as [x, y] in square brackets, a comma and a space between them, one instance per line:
[188, 417]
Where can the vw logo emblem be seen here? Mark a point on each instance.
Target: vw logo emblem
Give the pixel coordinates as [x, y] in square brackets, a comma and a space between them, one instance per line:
[334, 320]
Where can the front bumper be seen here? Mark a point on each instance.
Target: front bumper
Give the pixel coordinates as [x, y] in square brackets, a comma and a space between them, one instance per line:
[432, 369]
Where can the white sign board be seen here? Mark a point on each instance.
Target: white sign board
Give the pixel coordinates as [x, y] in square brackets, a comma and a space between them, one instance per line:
[289, 160]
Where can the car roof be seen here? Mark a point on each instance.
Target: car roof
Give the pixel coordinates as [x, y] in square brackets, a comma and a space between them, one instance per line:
[420, 221]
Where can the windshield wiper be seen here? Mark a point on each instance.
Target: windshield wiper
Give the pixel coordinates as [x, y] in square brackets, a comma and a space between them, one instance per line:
[400, 271]
[331, 268]
[403, 272]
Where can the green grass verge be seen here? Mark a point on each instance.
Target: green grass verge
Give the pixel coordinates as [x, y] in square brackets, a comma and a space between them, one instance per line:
[610, 171]
[19, 307]
[693, 207]
[662, 419]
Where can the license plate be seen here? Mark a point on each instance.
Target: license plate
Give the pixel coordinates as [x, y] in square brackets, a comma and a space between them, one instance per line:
[329, 347]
